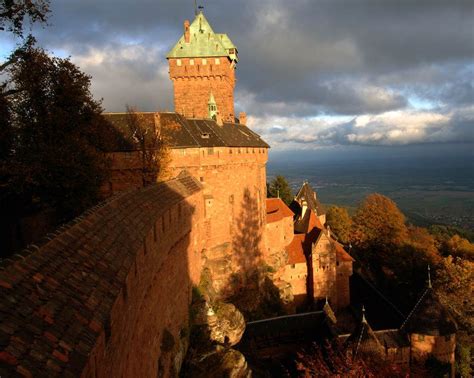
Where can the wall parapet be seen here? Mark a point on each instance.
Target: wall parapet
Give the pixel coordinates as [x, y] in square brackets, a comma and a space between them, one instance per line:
[62, 301]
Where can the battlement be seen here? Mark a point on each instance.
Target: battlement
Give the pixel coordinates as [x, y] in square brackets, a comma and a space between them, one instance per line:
[200, 64]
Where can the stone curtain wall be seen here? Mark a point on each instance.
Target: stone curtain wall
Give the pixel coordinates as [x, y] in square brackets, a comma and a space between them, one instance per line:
[107, 295]
[234, 188]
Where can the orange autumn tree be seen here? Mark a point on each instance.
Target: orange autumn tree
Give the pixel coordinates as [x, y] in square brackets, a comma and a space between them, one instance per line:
[378, 222]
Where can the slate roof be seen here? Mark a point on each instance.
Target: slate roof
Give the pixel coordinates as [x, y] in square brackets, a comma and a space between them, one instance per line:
[392, 338]
[341, 254]
[307, 193]
[56, 299]
[429, 317]
[204, 42]
[308, 222]
[286, 330]
[363, 339]
[181, 132]
[277, 210]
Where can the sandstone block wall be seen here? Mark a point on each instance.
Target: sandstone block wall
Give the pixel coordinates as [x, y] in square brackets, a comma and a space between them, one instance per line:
[343, 274]
[440, 347]
[108, 295]
[324, 270]
[234, 188]
[193, 81]
[278, 235]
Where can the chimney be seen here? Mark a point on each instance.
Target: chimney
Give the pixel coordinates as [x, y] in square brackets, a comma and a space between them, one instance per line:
[243, 118]
[186, 31]
[219, 119]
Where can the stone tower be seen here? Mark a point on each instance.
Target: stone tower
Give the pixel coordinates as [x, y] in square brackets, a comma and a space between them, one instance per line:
[203, 62]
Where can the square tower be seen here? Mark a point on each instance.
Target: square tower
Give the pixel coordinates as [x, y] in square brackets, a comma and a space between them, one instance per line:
[200, 64]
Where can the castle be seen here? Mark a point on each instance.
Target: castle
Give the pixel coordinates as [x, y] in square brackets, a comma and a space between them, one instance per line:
[229, 160]
[109, 293]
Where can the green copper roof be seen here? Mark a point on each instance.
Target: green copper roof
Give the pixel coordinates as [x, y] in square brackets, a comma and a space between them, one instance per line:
[203, 42]
[212, 100]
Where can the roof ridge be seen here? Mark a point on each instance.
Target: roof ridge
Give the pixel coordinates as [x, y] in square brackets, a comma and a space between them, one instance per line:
[414, 308]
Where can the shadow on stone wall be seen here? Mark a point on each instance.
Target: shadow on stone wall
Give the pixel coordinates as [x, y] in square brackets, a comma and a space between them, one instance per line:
[250, 288]
[109, 293]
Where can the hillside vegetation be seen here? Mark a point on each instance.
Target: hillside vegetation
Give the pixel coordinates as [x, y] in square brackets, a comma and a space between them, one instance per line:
[395, 256]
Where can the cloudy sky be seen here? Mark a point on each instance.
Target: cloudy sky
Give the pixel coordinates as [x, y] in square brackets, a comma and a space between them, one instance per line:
[312, 73]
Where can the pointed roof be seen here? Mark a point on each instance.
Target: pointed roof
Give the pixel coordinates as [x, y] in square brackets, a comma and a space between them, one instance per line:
[212, 100]
[204, 42]
[429, 317]
[341, 253]
[363, 339]
[295, 250]
[308, 194]
[307, 223]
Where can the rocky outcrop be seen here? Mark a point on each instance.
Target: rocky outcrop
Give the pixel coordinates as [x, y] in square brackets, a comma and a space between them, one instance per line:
[222, 323]
[227, 324]
[215, 327]
[218, 262]
[218, 362]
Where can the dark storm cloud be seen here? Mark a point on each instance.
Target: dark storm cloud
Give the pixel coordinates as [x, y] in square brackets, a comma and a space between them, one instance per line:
[300, 58]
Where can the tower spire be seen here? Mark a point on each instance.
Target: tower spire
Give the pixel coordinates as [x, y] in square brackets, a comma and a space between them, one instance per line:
[429, 277]
[212, 107]
[364, 320]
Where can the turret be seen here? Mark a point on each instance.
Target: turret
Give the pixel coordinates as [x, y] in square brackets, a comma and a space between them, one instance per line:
[431, 328]
[203, 62]
[212, 107]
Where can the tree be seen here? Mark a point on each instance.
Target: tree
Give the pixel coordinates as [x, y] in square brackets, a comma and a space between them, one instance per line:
[55, 138]
[14, 12]
[279, 188]
[340, 222]
[152, 144]
[459, 247]
[379, 223]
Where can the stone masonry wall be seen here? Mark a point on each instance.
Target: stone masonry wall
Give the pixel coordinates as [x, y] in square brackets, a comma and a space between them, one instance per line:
[234, 188]
[343, 274]
[324, 270]
[441, 347]
[193, 81]
[278, 235]
[107, 295]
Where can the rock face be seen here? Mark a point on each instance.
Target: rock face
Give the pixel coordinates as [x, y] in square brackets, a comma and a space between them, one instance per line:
[215, 327]
[223, 323]
[227, 325]
[218, 362]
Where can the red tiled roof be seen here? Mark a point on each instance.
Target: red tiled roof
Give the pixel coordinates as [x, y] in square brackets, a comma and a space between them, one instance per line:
[277, 210]
[314, 222]
[341, 254]
[295, 250]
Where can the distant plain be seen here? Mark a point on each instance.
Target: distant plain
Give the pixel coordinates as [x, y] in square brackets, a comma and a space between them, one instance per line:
[434, 188]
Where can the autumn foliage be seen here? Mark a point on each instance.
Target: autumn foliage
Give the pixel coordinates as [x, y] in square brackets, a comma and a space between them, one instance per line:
[395, 255]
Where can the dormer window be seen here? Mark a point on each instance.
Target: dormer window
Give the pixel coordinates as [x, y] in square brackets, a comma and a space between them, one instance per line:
[205, 135]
